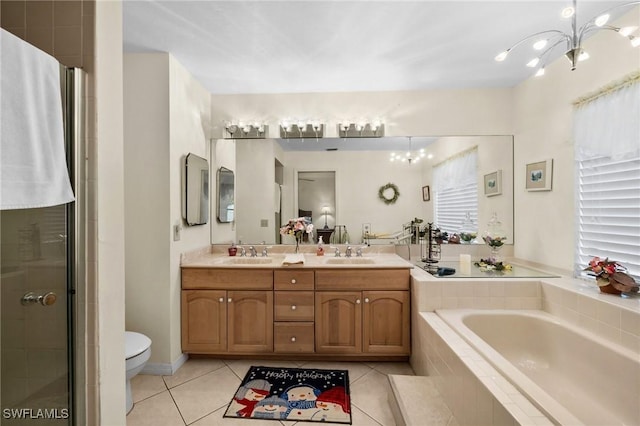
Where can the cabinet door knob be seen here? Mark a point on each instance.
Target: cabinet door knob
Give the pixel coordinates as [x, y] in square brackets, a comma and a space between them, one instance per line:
[229, 300]
[366, 300]
[294, 307]
[293, 280]
[221, 300]
[293, 339]
[357, 301]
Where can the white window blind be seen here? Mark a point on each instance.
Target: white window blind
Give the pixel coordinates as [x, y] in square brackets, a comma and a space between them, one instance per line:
[607, 147]
[609, 211]
[456, 191]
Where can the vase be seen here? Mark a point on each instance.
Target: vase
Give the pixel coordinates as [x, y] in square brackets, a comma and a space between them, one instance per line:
[609, 289]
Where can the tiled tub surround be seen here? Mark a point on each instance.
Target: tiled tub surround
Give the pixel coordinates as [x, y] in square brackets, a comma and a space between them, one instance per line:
[570, 374]
[474, 390]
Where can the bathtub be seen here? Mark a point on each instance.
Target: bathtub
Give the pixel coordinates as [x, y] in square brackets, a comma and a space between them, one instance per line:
[572, 376]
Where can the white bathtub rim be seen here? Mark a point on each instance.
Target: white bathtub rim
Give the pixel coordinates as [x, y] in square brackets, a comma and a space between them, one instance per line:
[555, 411]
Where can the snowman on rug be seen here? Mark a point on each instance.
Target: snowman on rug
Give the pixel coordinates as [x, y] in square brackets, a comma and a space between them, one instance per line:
[272, 407]
[302, 401]
[333, 406]
[248, 395]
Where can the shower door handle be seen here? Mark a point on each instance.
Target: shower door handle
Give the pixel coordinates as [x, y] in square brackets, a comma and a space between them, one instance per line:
[46, 299]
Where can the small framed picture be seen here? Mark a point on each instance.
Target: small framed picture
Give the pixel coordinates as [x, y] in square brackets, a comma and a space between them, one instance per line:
[540, 175]
[426, 193]
[493, 183]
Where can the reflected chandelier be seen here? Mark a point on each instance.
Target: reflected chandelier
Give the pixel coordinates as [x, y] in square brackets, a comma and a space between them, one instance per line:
[573, 41]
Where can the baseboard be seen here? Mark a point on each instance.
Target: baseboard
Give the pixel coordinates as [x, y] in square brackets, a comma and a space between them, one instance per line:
[164, 369]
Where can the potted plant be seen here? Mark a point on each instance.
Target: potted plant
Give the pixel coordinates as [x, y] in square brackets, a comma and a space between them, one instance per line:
[611, 276]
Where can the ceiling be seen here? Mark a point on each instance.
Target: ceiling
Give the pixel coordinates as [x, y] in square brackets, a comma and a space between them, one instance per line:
[247, 47]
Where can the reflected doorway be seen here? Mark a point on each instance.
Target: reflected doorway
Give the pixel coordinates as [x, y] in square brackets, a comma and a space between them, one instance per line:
[317, 200]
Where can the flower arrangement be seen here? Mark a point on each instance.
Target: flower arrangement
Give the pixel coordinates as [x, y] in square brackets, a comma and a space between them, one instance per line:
[296, 227]
[494, 242]
[467, 237]
[611, 273]
[490, 264]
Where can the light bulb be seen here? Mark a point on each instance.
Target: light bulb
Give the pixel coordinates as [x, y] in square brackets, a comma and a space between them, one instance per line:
[345, 126]
[626, 31]
[567, 12]
[635, 41]
[430, 156]
[408, 154]
[532, 63]
[501, 56]
[601, 20]
[422, 154]
[540, 44]
[301, 126]
[583, 56]
[540, 72]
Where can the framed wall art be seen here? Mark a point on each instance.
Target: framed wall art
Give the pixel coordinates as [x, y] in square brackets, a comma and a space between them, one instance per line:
[493, 183]
[426, 193]
[540, 175]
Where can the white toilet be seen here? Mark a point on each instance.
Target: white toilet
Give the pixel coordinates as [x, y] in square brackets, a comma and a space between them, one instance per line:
[137, 352]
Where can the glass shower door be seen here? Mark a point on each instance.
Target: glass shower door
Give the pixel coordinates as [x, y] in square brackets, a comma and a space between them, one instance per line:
[34, 317]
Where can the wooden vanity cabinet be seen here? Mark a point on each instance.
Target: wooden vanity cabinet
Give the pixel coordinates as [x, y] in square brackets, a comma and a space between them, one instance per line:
[294, 311]
[365, 321]
[216, 320]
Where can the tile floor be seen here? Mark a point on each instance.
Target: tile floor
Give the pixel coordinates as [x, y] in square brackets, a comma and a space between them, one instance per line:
[200, 390]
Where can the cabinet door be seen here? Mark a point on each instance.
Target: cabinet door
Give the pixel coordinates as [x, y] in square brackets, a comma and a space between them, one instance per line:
[386, 322]
[250, 321]
[204, 321]
[338, 322]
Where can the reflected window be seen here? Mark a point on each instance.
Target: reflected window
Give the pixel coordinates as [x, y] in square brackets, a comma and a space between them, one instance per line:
[456, 190]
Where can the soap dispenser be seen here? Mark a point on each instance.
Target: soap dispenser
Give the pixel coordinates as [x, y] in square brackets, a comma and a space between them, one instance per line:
[233, 249]
[320, 250]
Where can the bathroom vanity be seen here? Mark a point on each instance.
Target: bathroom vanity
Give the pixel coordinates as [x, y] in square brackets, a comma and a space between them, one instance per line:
[337, 308]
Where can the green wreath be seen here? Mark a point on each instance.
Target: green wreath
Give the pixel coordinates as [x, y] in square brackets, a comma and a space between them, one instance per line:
[391, 200]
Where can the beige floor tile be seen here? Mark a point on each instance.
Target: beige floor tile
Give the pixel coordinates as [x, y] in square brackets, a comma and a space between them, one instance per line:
[159, 410]
[370, 394]
[241, 366]
[143, 386]
[205, 394]
[403, 368]
[359, 418]
[356, 369]
[420, 401]
[191, 369]
[216, 419]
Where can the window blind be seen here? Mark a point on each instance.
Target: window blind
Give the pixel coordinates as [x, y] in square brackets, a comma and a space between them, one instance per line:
[452, 205]
[609, 211]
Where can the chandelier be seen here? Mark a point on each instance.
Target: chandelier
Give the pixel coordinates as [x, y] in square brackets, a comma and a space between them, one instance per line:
[572, 41]
[409, 156]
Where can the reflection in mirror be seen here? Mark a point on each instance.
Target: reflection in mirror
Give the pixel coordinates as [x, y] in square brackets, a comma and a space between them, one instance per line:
[225, 198]
[317, 200]
[362, 166]
[196, 190]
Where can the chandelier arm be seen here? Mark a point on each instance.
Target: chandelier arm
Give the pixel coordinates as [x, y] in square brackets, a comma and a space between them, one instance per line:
[529, 37]
[549, 49]
[591, 21]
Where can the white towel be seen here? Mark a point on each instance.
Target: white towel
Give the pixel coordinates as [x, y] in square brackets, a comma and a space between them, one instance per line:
[33, 168]
[293, 259]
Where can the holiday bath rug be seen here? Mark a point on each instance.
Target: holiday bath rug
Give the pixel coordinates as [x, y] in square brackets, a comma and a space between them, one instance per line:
[297, 394]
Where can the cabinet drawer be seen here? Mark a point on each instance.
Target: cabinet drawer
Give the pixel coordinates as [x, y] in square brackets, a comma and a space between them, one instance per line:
[362, 279]
[293, 337]
[293, 280]
[294, 306]
[223, 279]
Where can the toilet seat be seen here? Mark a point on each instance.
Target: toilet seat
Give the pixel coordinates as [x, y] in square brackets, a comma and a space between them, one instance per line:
[135, 344]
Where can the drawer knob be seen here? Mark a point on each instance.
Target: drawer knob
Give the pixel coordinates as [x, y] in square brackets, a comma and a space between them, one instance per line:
[221, 300]
[293, 280]
[366, 300]
[294, 307]
[293, 339]
[229, 300]
[357, 301]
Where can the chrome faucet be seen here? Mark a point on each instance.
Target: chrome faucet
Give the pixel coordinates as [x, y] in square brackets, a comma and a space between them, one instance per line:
[359, 252]
[264, 252]
[337, 252]
[243, 252]
[347, 252]
[253, 252]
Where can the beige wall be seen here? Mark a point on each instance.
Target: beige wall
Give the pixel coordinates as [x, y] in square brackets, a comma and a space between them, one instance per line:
[545, 221]
[167, 116]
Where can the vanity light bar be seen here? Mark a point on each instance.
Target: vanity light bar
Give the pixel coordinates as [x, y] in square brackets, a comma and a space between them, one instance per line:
[301, 131]
[362, 130]
[248, 131]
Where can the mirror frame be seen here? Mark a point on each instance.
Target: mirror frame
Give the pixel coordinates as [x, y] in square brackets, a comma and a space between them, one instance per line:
[223, 171]
[196, 184]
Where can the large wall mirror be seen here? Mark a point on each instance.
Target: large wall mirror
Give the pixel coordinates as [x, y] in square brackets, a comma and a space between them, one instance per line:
[360, 167]
[196, 190]
[225, 195]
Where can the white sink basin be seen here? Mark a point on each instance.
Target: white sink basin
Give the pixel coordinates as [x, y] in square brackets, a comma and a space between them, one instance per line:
[349, 261]
[249, 260]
